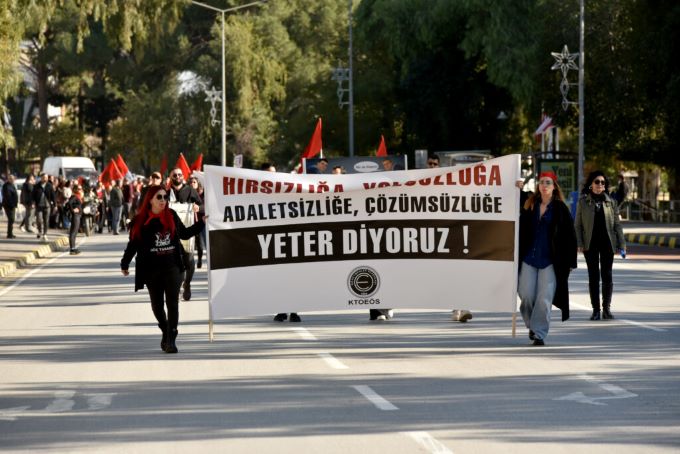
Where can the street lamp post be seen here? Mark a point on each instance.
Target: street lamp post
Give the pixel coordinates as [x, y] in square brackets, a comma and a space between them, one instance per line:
[222, 11]
[564, 61]
[341, 75]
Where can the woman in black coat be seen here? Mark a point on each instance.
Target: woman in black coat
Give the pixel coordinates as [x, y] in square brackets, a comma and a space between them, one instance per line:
[155, 239]
[547, 254]
[73, 208]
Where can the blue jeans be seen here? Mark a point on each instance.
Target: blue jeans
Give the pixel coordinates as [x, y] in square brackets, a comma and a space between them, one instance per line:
[536, 290]
[115, 218]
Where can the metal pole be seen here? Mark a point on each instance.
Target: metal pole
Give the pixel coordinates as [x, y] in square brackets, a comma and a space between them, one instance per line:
[581, 109]
[224, 102]
[351, 88]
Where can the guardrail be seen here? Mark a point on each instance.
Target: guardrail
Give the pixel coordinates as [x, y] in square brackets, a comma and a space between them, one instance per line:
[644, 210]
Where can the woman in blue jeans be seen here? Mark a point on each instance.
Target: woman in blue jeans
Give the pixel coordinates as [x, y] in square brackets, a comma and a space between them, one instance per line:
[547, 253]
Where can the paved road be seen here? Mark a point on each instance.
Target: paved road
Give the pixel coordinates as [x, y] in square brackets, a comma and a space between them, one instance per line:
[81, 371]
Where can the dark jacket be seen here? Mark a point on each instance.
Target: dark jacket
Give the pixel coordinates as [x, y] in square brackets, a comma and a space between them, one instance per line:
[71, 204]
[562, 248]
[10, 196]
[585, 220]
[27, 193]
[142, 248]
[48, 191]
[186, 194]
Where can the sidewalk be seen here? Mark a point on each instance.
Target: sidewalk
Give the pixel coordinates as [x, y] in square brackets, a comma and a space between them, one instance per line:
[26, 248]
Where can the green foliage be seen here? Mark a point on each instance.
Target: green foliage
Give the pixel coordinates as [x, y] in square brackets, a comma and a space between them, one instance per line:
[427, 74]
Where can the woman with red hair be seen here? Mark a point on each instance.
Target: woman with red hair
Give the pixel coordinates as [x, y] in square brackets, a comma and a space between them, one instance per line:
[547, 254]
[154, 238]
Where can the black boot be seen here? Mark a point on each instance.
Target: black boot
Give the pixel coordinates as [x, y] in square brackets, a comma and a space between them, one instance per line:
[172, 336]
[594, 300]
[164, 340]
[607, 290]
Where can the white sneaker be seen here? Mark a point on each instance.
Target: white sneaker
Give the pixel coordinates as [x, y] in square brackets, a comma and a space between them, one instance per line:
[44, 239]
[381, 318]
[23, 229]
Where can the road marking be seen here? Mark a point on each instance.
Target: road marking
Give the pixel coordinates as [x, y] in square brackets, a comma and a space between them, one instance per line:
[11, 414]
[629, 322]
[32, 272]
[375, 398]
[428, 442]
[62, 402]
[617, 391]
[305, 334]
[332, 361]
[99, 401]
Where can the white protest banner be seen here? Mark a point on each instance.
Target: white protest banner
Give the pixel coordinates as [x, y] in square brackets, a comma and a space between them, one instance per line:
[185, 211]
[429, 238]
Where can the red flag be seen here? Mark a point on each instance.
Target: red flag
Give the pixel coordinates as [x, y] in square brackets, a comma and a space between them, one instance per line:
[110, 173]
[121, 165]
[198, 163]
[314, 147]
[183, 166]
[164, 166]
[382, 149]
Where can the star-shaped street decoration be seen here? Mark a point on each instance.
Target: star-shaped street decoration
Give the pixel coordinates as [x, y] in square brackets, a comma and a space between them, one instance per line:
[214, 95]
[564, 61]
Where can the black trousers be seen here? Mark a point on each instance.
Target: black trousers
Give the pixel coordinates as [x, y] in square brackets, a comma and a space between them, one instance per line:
[600, 261]
[73, 230]
[190, 265]
[11, 212]
[163, 286]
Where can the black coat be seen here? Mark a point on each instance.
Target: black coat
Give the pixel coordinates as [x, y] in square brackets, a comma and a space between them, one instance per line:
[562, 248]
[71, 204]
[141, 247]
[10, 196]
[48, 190]
[27, 193]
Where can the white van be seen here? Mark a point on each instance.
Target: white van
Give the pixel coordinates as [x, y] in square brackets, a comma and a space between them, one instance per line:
[70, 167]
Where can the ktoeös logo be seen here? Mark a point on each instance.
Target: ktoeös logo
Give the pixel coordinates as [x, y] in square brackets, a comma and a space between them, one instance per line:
[363, 281]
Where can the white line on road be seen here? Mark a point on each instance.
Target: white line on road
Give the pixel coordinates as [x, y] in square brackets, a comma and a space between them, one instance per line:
[11, 414]
[33, 271]
[62, 402]
[428, 442]
[617, 391]
[375, 398]
[332, 361]
[629, 322]
[304, 333]
[99, 401]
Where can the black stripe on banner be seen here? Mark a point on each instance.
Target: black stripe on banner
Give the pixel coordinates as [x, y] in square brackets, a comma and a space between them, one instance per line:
[374, 240]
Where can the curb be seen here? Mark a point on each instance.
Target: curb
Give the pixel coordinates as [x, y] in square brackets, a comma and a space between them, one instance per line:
[10, 266]
[653, 240]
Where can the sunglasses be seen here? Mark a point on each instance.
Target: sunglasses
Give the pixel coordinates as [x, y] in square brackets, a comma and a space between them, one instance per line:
[162, 197]
[177, 174]
[598, 181]
[546, 182]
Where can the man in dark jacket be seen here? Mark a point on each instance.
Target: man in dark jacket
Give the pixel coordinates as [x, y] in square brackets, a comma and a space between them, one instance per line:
[10, 200]
[26, 200]
[44, 199]
[181, 192]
